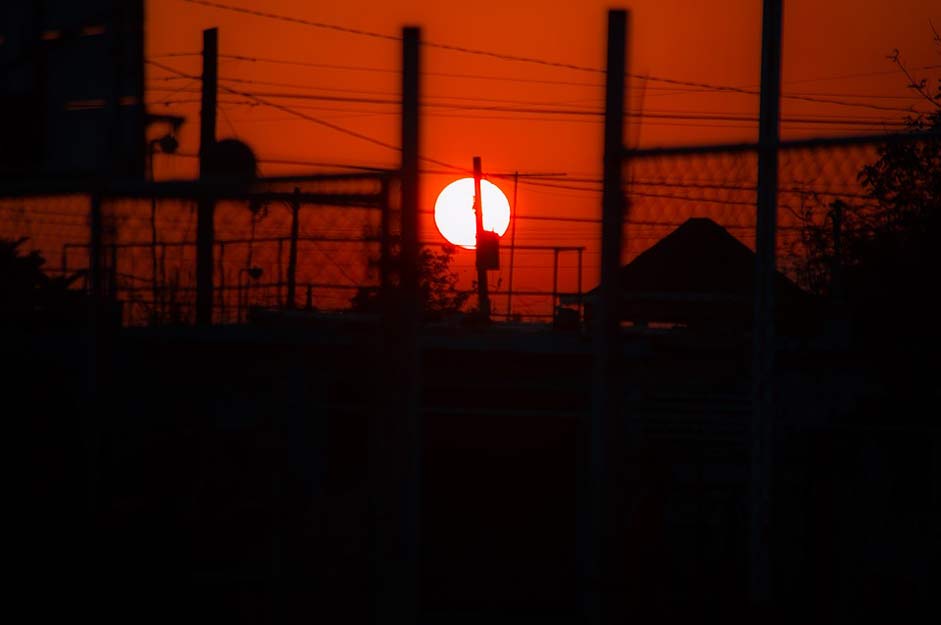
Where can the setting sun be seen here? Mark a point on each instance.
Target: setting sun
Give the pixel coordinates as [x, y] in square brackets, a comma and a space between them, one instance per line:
[454, 211]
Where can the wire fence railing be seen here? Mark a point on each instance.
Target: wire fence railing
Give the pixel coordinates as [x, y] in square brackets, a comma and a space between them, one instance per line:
[330, 258]
[826, 198]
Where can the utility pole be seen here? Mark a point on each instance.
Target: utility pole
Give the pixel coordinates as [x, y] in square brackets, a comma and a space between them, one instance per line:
[483, 293]
[292, 250]
[763, 324]
[205, 228]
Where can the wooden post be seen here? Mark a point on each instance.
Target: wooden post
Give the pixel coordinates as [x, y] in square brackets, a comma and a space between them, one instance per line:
[483, 293]
[205, 228]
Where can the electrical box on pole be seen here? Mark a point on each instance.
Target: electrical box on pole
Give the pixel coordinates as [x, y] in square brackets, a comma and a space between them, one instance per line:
[488, 250]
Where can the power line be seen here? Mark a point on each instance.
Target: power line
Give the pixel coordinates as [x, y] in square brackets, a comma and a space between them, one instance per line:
[360, 68]
[697, 87]
[377, 35]
[313, 119]
[295, 20]
[287, 161]
[814, 97]
[704, 116]
[310, 118]
[510, 57]
[309, 87]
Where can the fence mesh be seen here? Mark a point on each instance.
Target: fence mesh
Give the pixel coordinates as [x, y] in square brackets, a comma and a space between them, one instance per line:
[823, 197]
[148, 247]
[829, 199]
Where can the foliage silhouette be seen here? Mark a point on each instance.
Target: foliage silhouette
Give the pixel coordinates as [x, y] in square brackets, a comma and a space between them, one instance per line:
[27, 293]
[880, 257]
[437, 285]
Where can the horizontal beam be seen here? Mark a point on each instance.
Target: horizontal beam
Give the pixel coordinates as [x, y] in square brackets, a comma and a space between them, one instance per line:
[194, 189]
[796, 144]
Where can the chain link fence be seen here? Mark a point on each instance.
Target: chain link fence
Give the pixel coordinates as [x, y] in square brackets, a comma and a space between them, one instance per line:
[827, 195]
[316, 238]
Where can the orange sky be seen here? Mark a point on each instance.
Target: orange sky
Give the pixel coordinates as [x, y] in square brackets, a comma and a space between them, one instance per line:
[711, 42]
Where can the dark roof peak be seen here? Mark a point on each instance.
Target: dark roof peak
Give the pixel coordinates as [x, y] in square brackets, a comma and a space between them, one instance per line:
[699, 256]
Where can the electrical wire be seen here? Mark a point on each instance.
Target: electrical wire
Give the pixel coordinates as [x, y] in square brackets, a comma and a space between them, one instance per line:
[508, 57]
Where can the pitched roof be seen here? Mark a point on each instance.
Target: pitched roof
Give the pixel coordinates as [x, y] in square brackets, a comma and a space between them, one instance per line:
[699, 257]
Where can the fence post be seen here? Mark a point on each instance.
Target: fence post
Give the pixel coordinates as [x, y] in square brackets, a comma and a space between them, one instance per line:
[205, 228]
[763, 324]
[395, 429]
[292, 249]
[594, 461]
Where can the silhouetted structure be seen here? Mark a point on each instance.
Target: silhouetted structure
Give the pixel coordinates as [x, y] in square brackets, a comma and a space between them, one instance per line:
[699, 276]
[72, 90]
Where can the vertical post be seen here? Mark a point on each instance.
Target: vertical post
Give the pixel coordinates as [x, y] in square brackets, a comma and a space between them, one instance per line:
[112, 262]
[385, 236]
[411, 488]
[513, 216]
[279, 278]
[483, 292]
[836, 271]
[580, 250]
[96, 248]
[205, 228]
[395, 433]
[156, 309]
[292, 250]
[222, 310]
[409, 208]
[593, 521]
[763, 330]
[91, 426]
[238, 298]
[555, 282]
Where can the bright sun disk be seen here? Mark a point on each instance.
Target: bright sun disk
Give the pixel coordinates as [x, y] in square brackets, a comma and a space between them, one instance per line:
[454, 211]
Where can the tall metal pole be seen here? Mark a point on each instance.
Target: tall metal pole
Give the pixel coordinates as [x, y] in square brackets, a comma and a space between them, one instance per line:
[763, 330]
[594, 462]
[409, 212]
[205, 229]
[483, 293]
[411, 310]
[292, 250]
[395, 430]
[509, 289]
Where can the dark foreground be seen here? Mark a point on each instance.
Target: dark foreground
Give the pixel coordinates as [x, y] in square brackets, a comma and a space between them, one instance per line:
[222, 477]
